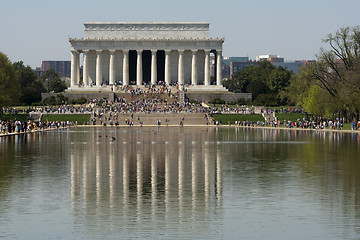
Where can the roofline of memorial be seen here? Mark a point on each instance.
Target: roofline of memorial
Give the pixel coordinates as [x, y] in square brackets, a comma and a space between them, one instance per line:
[138, 23]
[144, 39]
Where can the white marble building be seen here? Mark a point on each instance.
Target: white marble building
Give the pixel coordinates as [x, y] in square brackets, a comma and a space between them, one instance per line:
[138, 53]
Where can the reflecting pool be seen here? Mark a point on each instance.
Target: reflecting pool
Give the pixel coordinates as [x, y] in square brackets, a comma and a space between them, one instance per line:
[180, 183]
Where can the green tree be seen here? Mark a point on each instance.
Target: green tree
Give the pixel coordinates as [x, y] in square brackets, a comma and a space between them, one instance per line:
[337, 70]
[298, 86]
[319, 102]
[56, 84]
[256, 73]
[264, 81]
[30, 86]
[53, 81]
[279, 79]
[9, 86]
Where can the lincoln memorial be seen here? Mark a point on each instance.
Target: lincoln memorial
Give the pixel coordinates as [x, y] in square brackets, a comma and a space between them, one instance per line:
[146, 53]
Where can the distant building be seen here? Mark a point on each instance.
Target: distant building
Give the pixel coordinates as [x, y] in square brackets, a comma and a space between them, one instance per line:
[293, 66]
[38, 71]
[270, 58]
[277, 61]
[227, 72]
[63, 68]
[290, 66]
[307, 61]
[238, 66]
[228, 60]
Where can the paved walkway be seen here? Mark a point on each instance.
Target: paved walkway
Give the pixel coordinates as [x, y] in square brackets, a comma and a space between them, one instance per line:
[191, 125]
[32, 131]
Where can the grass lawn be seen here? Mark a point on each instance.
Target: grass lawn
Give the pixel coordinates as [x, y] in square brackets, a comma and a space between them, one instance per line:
[347, 126]
[12, 117]
[290, 116]
[80, 118]
[224, 118]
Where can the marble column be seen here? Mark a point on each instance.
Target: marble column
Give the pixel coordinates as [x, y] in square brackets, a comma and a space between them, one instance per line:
[98, 175]
[126, 67]
[74, 70]
[139, 70]
[98, 68]
[154, 182]
[181, 177]
[167, 67]
[153, 67]
[181, 68]
[194, 68]
[219, 68]
[207, 67]
[126, 178]
[78, 68]
[139, 181]
[112, 68]
[86, 68]
[218, 178]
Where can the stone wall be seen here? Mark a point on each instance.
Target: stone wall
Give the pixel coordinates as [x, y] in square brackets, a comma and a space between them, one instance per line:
[201, 96]
[77, 95]
[226, 96]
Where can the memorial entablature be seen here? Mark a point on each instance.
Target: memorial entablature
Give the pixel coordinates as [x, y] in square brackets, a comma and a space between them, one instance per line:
[144, 53]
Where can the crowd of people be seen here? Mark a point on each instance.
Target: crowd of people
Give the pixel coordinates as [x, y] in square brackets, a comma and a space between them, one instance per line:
[17, 126]
[155, 105]
[159, 99]
[149, 99]
[302, 124]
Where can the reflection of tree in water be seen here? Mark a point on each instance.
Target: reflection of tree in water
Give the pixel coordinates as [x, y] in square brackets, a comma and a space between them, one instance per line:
[122, 178]
[19, 158]
[325, 165]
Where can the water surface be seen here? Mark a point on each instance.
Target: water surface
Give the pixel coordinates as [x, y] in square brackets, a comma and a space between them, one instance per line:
[180, 183]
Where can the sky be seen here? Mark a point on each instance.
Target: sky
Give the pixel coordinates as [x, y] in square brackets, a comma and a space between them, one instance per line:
[36, 30]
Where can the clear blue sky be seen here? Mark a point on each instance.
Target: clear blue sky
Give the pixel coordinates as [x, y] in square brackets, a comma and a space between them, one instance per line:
[36, 30]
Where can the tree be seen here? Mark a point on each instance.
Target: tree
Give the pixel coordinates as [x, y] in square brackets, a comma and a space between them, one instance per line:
[31, 87]
[57, 85]
[337, 70]
[9, 86]
[279, 79]
[53, 81]
[298, 86]
[264, 81]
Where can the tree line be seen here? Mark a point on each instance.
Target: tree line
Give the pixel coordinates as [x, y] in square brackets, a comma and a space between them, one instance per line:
[328, 88]
[20, 85]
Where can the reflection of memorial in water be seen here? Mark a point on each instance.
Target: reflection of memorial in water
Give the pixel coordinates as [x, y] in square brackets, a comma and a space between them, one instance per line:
[179, 183]
[169, 178]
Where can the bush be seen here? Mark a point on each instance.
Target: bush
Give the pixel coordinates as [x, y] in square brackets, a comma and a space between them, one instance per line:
[37, 103]
[58, 100]
[217, 101]
[243, 101]
[50, 100]
[266, 100]
[62, 99]
[81, 100]
[13, 117]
